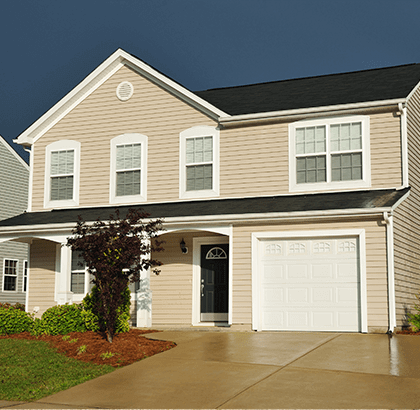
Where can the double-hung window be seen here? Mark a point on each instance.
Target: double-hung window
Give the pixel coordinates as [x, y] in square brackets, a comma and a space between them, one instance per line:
[128, 168]
[10, 274]
[199, 162]
[328, 154]
[62, 174]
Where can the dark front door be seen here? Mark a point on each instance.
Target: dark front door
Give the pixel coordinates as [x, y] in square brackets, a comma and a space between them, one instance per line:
[214, 283]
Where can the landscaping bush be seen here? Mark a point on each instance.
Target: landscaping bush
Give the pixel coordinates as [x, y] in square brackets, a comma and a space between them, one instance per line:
[15, 306]
[60, 320]
[414, 319]
[95, 323]
[14, 320]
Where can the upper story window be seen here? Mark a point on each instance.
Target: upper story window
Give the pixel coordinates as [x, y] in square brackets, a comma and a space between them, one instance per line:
[329, 154]
[128, 168]
[199, 162]
[62, 160]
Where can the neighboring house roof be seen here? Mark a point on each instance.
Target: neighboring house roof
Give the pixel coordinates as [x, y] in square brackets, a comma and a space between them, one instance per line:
[374, 199]
[334, 89]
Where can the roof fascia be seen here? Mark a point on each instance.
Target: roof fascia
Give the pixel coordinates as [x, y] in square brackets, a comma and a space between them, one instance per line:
[96, 78]
[13, 152]
[173, 87]
[244, 119]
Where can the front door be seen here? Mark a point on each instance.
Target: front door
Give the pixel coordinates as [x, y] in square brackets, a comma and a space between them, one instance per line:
[214, 283]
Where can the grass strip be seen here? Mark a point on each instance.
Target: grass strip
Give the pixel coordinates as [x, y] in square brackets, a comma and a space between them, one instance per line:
[31, 369]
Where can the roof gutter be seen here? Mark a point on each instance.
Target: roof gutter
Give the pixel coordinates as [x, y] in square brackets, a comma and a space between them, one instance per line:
[64, 228]
[330, 110]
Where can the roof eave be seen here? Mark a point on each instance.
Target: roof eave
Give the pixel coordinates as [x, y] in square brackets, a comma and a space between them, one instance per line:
[97, 77]
[343, 109]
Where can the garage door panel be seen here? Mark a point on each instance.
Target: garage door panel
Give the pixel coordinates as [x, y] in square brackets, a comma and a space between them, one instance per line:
[310, 285]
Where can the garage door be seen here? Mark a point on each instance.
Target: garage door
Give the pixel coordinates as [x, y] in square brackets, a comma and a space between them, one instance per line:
[309, 284]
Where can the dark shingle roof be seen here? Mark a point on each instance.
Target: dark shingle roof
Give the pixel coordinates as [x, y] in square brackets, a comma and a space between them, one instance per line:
[354, 87]
[313, 202]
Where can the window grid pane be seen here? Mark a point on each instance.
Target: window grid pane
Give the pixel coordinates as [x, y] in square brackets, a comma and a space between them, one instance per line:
[310, 140]
[346, 137]
[61, 188]
[346, 167]
[311, 169]
[128, 183]
[128, 157]
[62, 162]
[199, 149]
[199, 177]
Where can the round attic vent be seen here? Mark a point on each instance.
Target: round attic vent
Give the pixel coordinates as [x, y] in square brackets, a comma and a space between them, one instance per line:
[125, 90]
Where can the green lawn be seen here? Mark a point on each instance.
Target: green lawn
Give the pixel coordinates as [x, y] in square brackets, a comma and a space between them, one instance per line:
[30, 370]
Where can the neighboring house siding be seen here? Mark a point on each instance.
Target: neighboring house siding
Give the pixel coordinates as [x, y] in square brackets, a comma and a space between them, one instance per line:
[102, 116]
[407, 223]
[14, 176]
[42, 275]
[14, 251]
[375, 266]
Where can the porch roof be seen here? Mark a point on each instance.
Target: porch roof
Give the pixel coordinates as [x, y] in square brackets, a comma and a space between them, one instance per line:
[385, 198]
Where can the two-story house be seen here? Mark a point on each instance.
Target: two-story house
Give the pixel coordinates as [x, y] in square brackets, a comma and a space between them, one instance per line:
[289, 205]
[14, 177]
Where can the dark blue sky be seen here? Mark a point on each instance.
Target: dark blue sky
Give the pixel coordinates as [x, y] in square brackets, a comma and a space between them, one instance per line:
[49, 46]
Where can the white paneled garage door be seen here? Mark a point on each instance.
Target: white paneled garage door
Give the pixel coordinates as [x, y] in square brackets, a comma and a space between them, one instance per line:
[309, 284]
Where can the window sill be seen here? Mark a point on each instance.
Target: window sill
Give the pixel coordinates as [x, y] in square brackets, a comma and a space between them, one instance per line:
[206, 193]
[327, 186]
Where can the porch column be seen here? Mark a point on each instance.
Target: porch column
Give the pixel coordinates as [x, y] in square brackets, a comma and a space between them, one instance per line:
[144, 301]
[64, 295]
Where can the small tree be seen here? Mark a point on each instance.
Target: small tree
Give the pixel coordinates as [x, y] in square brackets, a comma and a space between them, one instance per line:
[115, 252]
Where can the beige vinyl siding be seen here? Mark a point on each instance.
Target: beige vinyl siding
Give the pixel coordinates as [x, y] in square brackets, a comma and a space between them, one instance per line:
[377, 297]
[151, 111]
[42, 275]
[385, 150]
[407, 223]
[172, 288]
[253, 160]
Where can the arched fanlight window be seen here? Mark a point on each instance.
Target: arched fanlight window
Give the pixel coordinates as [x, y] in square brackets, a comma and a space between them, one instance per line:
[216, 253]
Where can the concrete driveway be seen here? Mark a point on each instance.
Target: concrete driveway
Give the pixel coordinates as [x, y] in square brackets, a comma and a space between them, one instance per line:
[259, 370]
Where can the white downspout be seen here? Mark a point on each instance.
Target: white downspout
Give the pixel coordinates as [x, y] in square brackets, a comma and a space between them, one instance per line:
[391, 273]
[404, 145]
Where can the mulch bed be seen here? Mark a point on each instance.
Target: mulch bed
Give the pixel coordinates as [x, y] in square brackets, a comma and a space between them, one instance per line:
[125, 349]
[407, 332]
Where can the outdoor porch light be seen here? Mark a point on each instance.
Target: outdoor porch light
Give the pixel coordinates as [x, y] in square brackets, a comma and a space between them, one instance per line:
[184, 249]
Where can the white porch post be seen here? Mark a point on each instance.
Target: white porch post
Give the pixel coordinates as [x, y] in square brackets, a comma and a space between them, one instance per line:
[64, 295]
[144, 300]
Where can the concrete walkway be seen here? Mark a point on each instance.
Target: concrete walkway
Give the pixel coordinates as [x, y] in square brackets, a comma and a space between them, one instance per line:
[258, 370]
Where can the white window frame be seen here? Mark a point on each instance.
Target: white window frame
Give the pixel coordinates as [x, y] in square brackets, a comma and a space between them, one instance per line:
[16, 276]
[63, 145]
[124, 139]
[365, 182]
[196, 132]
[78, 297]
[25, 276]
